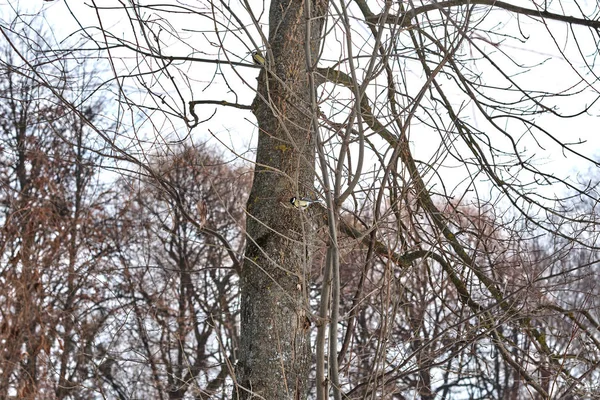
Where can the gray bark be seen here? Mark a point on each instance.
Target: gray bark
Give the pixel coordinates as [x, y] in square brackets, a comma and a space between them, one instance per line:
[274, 355]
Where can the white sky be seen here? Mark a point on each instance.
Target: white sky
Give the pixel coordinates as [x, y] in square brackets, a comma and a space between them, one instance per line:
[233, 129]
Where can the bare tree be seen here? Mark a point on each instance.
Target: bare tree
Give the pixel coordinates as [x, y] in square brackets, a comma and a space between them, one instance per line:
[178, 286]
[453, 262]
[54, 221]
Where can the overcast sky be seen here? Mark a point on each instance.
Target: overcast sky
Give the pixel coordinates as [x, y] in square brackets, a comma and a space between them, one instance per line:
[234, 130]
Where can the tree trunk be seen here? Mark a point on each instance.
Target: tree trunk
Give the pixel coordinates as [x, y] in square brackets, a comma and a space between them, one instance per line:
[274, 357]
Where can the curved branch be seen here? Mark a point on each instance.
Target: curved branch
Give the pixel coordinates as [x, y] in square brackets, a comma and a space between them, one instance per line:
[406, 18]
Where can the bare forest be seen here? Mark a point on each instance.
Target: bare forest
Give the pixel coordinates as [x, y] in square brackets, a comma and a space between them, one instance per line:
[299, 199]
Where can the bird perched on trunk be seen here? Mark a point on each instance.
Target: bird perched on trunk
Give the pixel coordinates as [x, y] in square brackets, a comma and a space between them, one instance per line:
[303, 203]
[258, 58]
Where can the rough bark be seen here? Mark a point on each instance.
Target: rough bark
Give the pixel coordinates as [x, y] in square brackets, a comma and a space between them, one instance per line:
[274, 356]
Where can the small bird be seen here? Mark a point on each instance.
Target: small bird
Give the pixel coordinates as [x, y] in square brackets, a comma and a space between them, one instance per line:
[302, 204]
[258, 58]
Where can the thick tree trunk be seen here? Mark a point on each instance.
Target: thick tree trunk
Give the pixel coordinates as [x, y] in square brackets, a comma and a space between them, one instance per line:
[274, 354]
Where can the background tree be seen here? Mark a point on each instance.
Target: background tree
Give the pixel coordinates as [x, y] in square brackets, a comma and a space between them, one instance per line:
[177, 284]
[54, 221]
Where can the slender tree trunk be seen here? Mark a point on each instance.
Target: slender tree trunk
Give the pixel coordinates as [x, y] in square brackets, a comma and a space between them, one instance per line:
[274, 357]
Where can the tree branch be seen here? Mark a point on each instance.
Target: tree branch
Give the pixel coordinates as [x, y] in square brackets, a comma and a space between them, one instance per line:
[406, 18]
